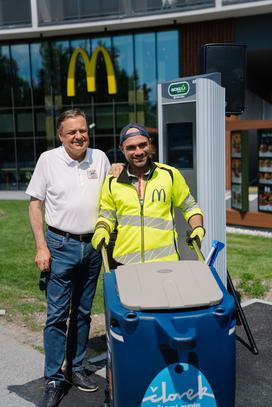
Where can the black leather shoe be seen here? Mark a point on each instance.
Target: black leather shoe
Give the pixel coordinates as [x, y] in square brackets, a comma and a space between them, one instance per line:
[53, 393]
[83, 381]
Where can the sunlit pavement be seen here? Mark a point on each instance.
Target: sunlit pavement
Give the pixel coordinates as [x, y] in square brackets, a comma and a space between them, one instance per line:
[22, 382]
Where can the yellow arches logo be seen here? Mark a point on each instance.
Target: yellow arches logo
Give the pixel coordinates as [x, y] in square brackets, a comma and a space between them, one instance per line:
[90, 66]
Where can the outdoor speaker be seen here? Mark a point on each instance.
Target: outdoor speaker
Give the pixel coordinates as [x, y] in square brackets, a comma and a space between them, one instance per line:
[230, 61]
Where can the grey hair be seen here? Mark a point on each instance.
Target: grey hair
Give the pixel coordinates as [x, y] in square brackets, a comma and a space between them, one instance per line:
[69, 114]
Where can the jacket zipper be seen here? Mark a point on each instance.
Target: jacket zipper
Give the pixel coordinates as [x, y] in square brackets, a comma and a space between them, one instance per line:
[142, 222]
[141, 201]
[142, 231]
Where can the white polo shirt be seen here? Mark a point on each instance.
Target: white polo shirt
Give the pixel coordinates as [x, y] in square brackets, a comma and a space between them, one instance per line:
[70, 189]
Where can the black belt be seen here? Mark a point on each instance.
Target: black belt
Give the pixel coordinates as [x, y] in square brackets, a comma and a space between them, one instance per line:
[87, 237]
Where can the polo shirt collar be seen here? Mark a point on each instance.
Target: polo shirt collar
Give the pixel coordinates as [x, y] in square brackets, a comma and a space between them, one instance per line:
[69, 160]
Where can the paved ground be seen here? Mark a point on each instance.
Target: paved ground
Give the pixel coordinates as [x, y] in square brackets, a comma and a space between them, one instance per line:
[20, 364]
[20, 195]
[254, 373]
[21, 374]
[21, 383]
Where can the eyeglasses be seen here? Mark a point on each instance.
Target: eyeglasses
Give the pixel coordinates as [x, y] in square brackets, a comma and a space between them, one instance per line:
[74, 132]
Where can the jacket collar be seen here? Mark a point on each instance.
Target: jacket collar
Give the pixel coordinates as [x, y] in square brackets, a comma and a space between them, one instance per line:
[126, 179]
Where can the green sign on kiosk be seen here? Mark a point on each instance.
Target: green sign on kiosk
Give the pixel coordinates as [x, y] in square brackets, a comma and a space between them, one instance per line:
[178, 89]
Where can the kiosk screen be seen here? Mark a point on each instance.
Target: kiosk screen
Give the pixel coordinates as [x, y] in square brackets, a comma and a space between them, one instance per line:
[180, 145]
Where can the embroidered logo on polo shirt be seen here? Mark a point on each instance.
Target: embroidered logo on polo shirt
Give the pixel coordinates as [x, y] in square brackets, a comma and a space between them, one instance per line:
[92, 174]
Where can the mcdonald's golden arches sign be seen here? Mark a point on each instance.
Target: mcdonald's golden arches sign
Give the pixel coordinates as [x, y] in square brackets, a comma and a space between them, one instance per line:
[90, 66]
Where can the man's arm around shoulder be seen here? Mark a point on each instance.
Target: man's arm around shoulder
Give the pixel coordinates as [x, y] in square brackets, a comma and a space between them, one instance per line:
[43, 255]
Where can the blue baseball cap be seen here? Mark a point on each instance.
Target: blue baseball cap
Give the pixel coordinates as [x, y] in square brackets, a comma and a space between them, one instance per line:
[141, 131]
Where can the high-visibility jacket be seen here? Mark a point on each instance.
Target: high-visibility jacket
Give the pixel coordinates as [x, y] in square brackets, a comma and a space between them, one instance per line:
[146, 228]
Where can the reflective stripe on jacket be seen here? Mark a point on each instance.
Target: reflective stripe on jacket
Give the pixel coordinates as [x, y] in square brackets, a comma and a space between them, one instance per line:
[146, 230]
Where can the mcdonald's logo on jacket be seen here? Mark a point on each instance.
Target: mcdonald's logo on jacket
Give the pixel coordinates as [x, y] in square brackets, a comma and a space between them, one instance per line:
[160, 193]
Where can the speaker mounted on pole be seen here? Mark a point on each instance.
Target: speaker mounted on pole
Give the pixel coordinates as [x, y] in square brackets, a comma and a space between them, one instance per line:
[230, 61]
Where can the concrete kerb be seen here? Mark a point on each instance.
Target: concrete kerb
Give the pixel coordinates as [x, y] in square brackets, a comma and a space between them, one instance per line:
[13, 195]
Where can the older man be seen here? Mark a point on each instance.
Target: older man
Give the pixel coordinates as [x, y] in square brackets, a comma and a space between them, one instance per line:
[140, 202]
[68, 180]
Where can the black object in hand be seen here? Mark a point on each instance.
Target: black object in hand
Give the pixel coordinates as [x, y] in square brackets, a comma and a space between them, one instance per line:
[189, 240]
[42, 281]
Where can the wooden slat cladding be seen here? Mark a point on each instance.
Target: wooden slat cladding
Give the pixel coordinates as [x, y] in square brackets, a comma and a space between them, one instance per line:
[194, 35]
[249, 219]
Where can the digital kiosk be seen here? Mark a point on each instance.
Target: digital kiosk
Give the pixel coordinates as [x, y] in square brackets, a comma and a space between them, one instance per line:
[191, 127]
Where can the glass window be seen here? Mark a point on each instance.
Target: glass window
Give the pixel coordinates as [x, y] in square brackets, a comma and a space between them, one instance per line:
[14, 12]
[101, 94]
[145, 64]
[81, 92]
[168, 55]
[140, 61]
[104, 41]
[8, 172]
[104, 117]
[124, 114]
[6, 127]
[70, 9]
[81, 43]
[145, 69]
[5, 93]
[89, 112]
[60, 62]
[149, 112]
[24, 123]
[106, 144]
[145, 6]
[41, 72]
[44, 144]
[40, 124]
[115, 155]
[21, 74]
[99, 8]
[26, 161]
[25, 152]
[124, 66]
[45, 127]
[60, 10]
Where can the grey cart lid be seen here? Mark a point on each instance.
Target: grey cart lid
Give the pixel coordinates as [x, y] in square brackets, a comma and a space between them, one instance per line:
[167, 285]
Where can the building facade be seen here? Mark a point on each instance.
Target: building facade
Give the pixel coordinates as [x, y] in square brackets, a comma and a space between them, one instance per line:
[146, 41]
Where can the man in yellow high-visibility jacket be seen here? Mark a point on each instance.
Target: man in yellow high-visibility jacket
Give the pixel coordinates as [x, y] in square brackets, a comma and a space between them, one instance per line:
[141, 202]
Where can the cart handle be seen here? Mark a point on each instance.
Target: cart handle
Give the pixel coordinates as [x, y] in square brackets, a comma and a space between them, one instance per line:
[105, 259]
[217, 246]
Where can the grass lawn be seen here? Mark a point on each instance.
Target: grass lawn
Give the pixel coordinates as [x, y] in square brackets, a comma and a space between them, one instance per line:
[249, 260]
[19, 277]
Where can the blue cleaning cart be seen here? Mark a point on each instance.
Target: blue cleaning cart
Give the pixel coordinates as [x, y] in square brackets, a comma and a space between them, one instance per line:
[171, 336]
